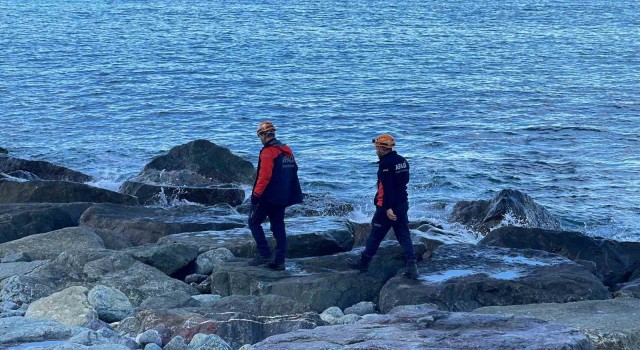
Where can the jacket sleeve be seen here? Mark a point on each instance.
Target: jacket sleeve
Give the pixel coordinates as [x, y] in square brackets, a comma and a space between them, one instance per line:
[386, 179]
[267, 157]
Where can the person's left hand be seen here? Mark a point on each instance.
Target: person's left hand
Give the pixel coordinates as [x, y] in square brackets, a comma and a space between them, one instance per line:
[391, 215]
[255, 200]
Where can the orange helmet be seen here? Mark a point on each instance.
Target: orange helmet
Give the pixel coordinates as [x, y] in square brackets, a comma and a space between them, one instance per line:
[266, 127]
[384, 140]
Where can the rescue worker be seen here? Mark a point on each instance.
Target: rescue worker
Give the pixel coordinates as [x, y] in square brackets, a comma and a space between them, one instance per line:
[276, 187]
[392, 204]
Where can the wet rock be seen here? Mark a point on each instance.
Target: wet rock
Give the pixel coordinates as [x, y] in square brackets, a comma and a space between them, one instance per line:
[208, 342]
[319, 205]
[3, 151]
[207, 298]
[43, 170]
[629, 289]
[69, 306]
[154, 194]
[318, 282]
[140, 225]
[207, 159]
[59, 192]
[361, 308]
[401, 330]
[463, 277]
[168, 258]
[305, 237]
[111, 304]
[615, 261]
[609, 324]
[482, 215]
[26, 219]
[15, 330]
[211, 258]
[49, 245]
[19, 176]
[195, 278]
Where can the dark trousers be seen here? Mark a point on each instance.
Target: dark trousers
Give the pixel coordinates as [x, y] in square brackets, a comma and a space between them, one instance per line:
[276, 219]
[380, 226]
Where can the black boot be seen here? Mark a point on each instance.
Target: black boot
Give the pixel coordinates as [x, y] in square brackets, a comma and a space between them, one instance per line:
[259, 260]
[411, 271]
[276, 265]
[361, 264]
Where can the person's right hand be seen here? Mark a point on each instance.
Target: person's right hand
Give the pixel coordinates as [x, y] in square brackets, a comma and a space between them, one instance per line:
[391, 215]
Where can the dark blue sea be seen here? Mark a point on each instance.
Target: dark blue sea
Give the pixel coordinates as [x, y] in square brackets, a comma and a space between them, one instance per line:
[541, 96]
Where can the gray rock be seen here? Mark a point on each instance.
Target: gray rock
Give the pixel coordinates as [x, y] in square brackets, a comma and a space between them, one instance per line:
[20, 176]
[615, 261]
[111, 304]
[44, 170]
[348, 319]
[177, 343]
[17, 257]
[26, 219]
[50, 244]
[331, 315]
[150, 336]
[168, 258]
[463, 277]
[18, 268]
[209, 259]
[25, 289]
[3, 151]
[400, 330]
[14, 330]
[152, 347]
[8, 305]
[305, 237]
[11, 313]
[170, 300]
[317, 282]
[195, 278]
[483, 215]
[207, 298]
[629, 289]
[207, 159]
[245, 347]
[208, 342]
[59, 192]
[140, 225]
[69, 306]
[104, 336]
[266, 305]
[361, 308]
[163, 194]
[609, 324]
[128, 327]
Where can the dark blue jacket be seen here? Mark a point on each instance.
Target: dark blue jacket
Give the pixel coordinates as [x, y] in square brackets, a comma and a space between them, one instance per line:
[277, 181]
[393, 177]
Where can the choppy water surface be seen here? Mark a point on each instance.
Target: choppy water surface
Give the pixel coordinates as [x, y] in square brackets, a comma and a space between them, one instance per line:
[542, 96]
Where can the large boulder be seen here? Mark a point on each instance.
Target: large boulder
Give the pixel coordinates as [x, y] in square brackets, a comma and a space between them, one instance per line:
[41, 169]
[59, 192]
[50, 244]
[17, 330]
[18, 268]
[24, 289]
[92, 267]
[111, 304]
[3, 151]
[140, 225]
[463, 277]
[69, 306]
[25, 219]
[317, 282]
[609, 324]
[310, 236]
[207, 159]
[482, 215]
[615, 261]
[236, 328]
[163, 194]
[424, 327]
[168, 258]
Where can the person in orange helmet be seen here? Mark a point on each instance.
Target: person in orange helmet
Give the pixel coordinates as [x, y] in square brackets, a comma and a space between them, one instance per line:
[392, 205]
[276, 187]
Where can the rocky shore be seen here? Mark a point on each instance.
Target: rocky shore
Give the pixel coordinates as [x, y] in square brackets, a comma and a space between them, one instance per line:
[87, 268]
